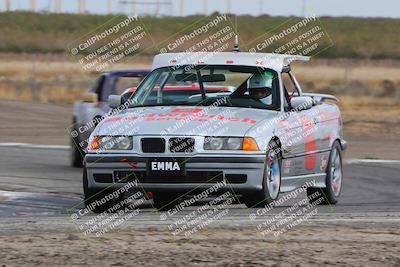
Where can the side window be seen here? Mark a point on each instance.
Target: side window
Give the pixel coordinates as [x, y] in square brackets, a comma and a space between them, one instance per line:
[289, 87]
[98, 86]
[120, 84]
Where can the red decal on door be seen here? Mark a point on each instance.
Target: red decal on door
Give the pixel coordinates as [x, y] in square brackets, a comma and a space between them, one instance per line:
[309, 140]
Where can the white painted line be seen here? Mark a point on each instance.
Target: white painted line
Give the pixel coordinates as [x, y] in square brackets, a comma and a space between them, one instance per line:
[350, 161]
[372, 220]
[26, 145]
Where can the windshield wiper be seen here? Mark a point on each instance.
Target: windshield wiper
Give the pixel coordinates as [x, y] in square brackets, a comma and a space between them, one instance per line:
[165, 104]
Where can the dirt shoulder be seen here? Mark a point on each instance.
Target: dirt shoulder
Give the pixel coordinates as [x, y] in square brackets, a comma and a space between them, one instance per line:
[371, 133]
[37, 123]
[316, 245]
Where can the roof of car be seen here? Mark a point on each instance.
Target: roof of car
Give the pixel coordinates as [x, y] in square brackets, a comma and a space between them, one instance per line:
[267, 60]
[129, 72]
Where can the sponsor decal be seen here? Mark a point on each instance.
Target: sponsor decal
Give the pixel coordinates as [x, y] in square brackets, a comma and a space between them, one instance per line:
[191, 114]
[186, 110]
[286, 166]
[283, 124]
[324, 162]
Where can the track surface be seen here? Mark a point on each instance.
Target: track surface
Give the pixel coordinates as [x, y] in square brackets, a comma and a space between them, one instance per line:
[39, 181]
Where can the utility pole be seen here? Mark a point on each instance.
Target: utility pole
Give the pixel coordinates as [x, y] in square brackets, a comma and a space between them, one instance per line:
[57, 6]
[181, 8]
[157, 8]
[205, 7]
[133, 8]
[33, 5]
[303, 8]
[8, 4]
[82, 6]
[229, 6]
[109, 7]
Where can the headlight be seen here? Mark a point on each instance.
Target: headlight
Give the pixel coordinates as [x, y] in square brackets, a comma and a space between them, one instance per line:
[112, 143]
[230, 143]
[234, 143]
[214, 143]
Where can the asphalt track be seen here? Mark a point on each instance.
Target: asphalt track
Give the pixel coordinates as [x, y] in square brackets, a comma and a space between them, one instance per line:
[36, 183]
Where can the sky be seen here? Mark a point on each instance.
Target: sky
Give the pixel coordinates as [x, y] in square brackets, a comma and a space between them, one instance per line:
[355, 8]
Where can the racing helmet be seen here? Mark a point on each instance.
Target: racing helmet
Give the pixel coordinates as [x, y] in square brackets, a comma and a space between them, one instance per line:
[259, 86]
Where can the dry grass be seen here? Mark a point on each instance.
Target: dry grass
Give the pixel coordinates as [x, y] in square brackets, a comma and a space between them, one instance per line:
[373, 38]
[368, 73]
[46, 68]
[60, 79]
[370, 116]
[43, 95]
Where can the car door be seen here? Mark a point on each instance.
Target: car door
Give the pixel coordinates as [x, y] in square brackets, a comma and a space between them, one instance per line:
[301, 135]
[87, 113]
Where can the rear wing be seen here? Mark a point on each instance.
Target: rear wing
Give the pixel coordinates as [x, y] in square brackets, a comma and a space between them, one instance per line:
[321, 97]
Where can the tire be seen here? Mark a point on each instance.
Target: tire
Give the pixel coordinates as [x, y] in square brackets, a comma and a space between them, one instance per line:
[271, 179]
[334, 180]
[91, 196]
[165, 201]
[76, 153]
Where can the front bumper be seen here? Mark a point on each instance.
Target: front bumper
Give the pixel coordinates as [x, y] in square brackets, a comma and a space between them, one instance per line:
[228, 167]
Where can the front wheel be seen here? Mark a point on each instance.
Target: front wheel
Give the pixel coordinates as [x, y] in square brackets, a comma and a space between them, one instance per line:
[334, 178]
[271, 180]
[76, 153]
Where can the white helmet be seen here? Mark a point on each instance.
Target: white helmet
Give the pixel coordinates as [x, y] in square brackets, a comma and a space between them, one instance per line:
[260, 86]
[259, 81]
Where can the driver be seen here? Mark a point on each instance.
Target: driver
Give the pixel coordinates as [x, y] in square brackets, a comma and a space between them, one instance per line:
[258, 87]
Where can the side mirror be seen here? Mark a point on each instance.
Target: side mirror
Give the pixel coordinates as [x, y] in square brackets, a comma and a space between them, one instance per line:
[89, 97]
[114, 101]
[299, 103]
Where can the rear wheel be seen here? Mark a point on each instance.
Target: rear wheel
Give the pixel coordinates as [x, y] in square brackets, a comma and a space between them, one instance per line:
[334, 178]
[99, 201]
[271, 179]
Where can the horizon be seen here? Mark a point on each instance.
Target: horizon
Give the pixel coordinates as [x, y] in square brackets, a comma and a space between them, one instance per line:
[289, 8]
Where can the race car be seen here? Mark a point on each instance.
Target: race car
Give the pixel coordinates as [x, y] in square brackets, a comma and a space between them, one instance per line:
[89, 111]
[260, 138]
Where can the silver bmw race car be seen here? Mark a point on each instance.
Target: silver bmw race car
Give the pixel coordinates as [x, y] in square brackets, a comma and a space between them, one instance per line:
[236, 119]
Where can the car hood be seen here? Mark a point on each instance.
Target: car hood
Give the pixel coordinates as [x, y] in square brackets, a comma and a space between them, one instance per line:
[183, 120]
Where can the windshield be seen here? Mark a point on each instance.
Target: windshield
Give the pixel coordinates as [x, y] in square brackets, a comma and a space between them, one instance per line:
[240, 86]
[121, 84]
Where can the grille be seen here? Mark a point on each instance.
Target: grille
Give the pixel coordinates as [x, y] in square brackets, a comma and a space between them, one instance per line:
[153, 145]
[190, 177]
[181, 145]
[103, 177]
[236, 178]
